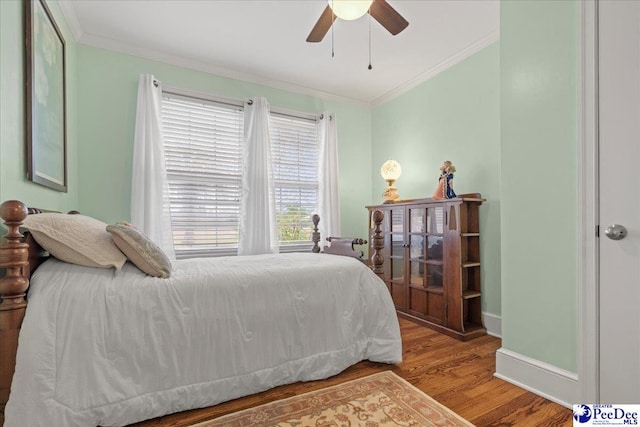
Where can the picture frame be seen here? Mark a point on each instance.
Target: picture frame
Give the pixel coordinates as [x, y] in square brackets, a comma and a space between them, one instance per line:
[46, 104]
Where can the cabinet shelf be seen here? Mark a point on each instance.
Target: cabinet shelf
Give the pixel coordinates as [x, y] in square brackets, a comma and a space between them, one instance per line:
[416, 280]
[470, 264]
[471, 294]
[436, 279]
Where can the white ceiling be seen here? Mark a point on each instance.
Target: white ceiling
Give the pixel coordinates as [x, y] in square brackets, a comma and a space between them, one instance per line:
[264, 40]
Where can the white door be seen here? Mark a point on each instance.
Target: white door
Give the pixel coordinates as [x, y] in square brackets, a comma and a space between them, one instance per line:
[619, 171]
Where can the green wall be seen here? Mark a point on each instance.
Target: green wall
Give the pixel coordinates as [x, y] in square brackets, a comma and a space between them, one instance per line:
[107, 90]
[452, 116]
[539, 149]
[13, 181]
[511, 129]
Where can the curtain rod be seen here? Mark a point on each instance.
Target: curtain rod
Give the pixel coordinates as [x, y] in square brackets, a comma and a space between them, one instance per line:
[284, 112]
[238, 103]
[294, 116]
[203, 97]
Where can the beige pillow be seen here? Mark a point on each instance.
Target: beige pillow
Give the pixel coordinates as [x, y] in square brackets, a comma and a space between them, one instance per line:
[140, 250]
[77, 239]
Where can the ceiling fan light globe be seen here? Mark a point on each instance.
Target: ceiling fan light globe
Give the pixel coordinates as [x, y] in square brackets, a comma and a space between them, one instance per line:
[349, 9]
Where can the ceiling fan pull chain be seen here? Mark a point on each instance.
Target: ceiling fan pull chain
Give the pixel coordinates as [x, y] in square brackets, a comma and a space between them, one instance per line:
[333, 16]
[332, 48]
[370, 67]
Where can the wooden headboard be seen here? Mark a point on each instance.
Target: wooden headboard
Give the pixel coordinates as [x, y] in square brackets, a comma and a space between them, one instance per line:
[14, 258]
[19, 257]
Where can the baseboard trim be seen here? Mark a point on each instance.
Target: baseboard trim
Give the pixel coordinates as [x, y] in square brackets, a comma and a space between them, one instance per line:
[493, 324]
[538, 377]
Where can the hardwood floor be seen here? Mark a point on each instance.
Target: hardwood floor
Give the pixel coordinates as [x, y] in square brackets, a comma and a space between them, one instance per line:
[457, 374]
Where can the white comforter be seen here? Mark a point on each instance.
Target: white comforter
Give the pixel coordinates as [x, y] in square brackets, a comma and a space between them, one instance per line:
[105, 348]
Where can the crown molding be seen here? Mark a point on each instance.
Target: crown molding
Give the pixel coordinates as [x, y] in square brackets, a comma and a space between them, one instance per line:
[85, 38]
[117, 46]
[72, 19]
[474, 47]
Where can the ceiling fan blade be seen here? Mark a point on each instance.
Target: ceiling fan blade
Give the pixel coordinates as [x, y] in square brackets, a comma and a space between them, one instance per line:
[322, 26]
[387, 16]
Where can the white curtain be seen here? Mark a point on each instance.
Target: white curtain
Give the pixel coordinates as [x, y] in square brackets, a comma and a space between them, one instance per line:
[149, 186]
[329, 197]
[257, 208]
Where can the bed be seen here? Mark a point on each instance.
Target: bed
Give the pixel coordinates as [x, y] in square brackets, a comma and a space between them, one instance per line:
[105, 347]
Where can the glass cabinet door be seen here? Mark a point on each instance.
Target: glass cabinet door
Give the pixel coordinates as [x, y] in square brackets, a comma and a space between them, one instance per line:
[394, 244]
[417, 219]
[434, 276]
[435, 247]
[394, 255]
[435, 220]
[416, 259]
[417, 241]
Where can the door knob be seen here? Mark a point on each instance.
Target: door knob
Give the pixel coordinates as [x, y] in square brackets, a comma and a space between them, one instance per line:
[616, 232]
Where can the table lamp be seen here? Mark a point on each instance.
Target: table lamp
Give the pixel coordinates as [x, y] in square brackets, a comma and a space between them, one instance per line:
[390, 171]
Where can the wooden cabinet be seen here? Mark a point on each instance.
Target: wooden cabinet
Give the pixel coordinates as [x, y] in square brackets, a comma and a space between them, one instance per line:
[431, 262]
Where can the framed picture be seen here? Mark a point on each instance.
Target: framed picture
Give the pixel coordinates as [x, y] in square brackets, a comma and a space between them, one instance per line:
[45, 98]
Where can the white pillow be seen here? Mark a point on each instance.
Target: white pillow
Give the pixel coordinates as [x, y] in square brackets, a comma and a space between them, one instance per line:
[76, 239]
[140, 250]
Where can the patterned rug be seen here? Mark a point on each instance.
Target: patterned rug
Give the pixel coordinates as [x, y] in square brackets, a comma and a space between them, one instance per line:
[382, 399]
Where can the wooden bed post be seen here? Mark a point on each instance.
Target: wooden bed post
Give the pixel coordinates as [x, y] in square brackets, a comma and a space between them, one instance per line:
[377, 244]
[315, 236]
[14, 257]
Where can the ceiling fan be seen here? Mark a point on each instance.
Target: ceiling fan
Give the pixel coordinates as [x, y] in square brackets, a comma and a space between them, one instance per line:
[380, 10]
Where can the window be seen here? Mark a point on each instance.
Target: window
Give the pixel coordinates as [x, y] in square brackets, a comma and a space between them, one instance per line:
[203, 151]
[294, 148]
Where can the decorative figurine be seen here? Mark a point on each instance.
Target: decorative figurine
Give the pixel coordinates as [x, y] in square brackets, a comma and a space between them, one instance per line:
[445, 182]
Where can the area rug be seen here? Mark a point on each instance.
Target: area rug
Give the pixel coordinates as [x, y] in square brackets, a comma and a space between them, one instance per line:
[382, 399]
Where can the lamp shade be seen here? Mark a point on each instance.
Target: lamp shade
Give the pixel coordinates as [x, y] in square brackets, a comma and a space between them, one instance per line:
[349, 9]
[390, 170]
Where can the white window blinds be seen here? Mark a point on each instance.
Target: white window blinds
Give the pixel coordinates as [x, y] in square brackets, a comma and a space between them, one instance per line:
[203, 150]
[294, 147]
